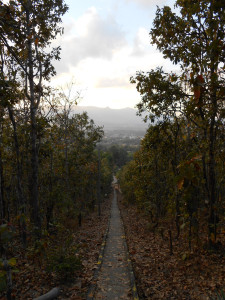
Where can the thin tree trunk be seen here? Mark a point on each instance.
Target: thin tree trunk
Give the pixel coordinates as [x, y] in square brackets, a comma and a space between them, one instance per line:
[50, 205]
[35, 215]
[99, 184]
[66, 159]
[2, 199]
[21, 199]
[212, 139]
[212, 163]
[34, 176]
[177, 219]
[175, 171]
[212, 184]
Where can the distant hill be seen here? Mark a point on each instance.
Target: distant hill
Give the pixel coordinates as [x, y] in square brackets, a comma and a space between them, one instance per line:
[114, 119]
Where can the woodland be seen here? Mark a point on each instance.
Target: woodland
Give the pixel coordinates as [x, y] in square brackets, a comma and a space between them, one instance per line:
[176, 179]
[49, 165]
[55, 178]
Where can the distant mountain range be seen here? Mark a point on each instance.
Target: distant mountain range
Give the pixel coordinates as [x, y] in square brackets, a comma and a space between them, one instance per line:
[114, 119]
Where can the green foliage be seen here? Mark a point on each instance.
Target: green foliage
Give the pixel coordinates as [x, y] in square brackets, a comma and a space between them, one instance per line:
[6, 235]
[64, 261]
[7, 268]
[48, 165]
[180, 158]
[119, 156]
[106, 173]
[37, 251]
[64, 265]
[162, 95]
[3, 282]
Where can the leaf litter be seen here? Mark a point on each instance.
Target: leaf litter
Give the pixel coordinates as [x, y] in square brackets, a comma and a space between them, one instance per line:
[160, 275]
[32, 279]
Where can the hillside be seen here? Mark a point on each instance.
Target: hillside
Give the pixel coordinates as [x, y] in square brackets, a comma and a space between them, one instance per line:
[114, 119]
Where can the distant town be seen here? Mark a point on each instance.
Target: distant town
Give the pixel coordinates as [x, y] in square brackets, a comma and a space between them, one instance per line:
[121, 126]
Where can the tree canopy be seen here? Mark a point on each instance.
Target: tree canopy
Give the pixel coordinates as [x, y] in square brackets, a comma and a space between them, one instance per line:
[191, 106]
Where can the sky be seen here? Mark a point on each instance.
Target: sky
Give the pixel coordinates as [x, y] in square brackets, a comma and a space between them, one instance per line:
[104, 43]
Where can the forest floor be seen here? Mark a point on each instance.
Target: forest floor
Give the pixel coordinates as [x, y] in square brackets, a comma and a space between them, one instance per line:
[183, 275]
[32, 279]
[159, 275]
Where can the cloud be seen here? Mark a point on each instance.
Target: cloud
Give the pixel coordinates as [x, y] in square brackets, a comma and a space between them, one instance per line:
[148, 3]
[93, 37]
[141, 44]
[96, 53]
[112, 82]
[113, 97]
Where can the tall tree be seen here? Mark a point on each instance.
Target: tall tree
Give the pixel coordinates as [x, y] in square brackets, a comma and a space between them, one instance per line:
[195, 40]
[26, 30]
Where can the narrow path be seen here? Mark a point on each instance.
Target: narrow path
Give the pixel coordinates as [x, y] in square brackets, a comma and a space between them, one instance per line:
[113, 280]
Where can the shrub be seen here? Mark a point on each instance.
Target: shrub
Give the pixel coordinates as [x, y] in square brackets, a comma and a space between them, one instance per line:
[64, 260]
[64, 265]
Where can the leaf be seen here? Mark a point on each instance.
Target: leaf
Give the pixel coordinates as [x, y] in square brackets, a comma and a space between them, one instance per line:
[212, 237]
[197, 92]
[36, 41]
[184, 256]
[3, 228]
[200, 79]
[12, 262]
[180, 184]
[197, 157]
[182, 226]
[15, 271]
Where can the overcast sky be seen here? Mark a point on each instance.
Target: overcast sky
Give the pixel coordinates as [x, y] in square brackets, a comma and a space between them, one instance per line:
[104, 43]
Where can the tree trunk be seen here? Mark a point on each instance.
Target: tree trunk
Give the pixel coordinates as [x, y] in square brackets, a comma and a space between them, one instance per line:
[21, 199]
[177, 219]
[50, 204]
[35, 216]
[212, 184]
[212, 138]
[34, 176]
[99, 184]
[175, 171]
[2, 200]
[8, 271]
[212, 163]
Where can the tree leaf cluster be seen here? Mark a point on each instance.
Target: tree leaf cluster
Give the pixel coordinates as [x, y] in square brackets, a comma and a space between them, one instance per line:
[48, 159]
[178, 172]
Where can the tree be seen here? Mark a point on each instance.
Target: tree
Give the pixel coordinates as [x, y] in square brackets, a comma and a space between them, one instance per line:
[195, 40]
[26, 30]
[119, 155]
